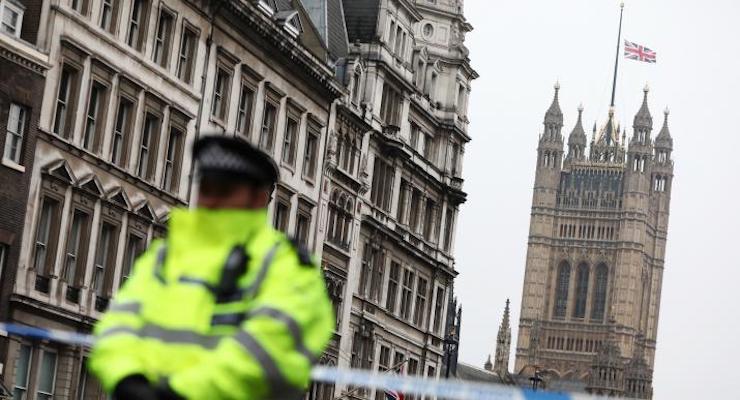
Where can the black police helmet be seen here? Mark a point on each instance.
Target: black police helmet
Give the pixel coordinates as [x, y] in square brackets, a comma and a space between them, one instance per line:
[234, 159]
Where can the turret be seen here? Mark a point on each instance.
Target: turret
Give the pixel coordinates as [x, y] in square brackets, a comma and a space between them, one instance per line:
[638, 171]
[643, 122]
[577, 140]
[664, 142]
[638, 381]
[549, 154]
[663, 167]
[641, 147]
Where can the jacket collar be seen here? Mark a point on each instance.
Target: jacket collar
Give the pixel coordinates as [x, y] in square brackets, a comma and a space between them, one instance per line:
[214, 227]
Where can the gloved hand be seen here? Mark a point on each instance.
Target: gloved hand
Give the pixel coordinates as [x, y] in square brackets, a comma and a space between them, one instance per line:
[135, 387]
[165, 392]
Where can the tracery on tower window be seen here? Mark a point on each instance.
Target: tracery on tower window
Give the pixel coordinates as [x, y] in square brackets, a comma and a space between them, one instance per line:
[600, 288]
[581, 291]
[561, 291]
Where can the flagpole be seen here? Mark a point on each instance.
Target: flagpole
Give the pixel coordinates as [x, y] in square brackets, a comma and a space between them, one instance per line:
[616, 61]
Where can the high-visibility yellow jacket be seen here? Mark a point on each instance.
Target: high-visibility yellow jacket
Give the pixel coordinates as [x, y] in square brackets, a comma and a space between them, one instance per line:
[172, 321]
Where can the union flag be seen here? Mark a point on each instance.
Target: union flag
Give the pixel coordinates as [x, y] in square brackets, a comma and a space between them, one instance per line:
[634, 51]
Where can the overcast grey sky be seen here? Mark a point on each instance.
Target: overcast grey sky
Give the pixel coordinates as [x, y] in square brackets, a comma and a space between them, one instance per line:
[520, 48]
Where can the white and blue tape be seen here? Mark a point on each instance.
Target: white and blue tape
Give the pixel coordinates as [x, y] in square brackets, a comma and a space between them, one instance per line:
[440, 388]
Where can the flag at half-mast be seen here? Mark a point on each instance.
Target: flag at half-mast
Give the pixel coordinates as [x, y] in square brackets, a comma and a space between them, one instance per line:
[634, 51]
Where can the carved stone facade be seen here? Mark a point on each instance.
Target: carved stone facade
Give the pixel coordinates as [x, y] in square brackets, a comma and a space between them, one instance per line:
[596, 255]
[394, 185]
[119, 90]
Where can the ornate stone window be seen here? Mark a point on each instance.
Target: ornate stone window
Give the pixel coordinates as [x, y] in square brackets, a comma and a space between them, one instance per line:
[382, 189]
[54, 184]
[15, 132]
[109, 10]
[581, 291]
[187, 53]
[174, 152]
[138, 22]
[123, 125]
[11, 17]
[163, 37]
[561, 290]
[371, 275]
[340, 217]
[600, 288]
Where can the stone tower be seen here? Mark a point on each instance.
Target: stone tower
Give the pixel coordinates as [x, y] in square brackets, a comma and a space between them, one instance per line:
[596, 254]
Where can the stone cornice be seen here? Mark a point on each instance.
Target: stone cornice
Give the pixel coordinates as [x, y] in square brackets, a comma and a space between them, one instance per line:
[23, 54]
[287, 45]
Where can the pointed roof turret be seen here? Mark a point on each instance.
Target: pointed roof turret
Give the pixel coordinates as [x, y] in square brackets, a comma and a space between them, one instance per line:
[488, 366]
[609, 133]
[578, 135]
[507, 312]
[554, 115]
[643, 119]
[664, 139]
[503, 344]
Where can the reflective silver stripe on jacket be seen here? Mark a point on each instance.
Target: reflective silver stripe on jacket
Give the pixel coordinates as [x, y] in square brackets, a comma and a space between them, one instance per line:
[179, 336]
[133, 307]
[167, 335]
[254, 287]
[119, 330]
[295, 330]
[279, 386]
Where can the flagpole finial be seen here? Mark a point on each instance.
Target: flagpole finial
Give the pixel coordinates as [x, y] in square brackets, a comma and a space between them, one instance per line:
[621, 5]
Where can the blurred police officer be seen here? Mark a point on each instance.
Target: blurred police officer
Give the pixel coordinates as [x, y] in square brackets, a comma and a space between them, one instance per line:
[225, 307]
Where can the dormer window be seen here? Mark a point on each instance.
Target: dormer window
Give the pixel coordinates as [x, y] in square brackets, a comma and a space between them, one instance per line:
[295, 22]
[290, 21]
[12, 17]
[267, 6]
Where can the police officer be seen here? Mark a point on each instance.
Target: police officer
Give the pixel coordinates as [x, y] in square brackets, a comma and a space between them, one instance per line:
[225, 307]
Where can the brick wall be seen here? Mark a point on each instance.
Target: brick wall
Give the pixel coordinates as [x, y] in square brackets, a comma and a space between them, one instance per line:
[25, 87]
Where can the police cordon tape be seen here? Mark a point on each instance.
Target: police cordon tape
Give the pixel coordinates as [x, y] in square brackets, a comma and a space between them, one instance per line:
[440, 388]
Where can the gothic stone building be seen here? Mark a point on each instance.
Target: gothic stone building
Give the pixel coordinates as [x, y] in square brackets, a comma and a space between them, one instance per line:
[596, 254]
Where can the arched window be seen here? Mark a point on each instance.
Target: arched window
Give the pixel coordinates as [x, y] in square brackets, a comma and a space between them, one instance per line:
[581, 291]
[339, 219]
[561, 292]
[599, 299]
[348, 152]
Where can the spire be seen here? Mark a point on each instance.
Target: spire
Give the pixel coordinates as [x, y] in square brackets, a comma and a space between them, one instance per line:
[507, 312]
[664, 139]
[503, 344]
[554, 115]
[643, 119]
[578, 135]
